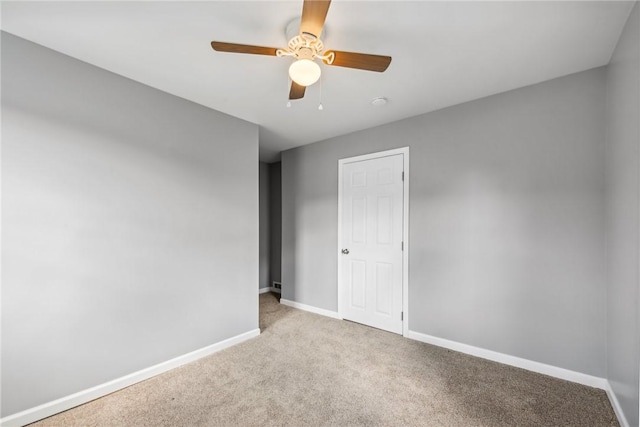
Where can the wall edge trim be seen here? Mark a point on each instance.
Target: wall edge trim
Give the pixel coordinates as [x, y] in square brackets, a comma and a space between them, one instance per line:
[310, 308]
[269, 289]
[617, 408]
[518, 362]
[64, 403]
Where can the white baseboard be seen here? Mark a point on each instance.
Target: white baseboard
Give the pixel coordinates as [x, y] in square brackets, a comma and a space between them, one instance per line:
[51, 408]
[265, 290]
[310, 308]
[616, 406]
[530, 365]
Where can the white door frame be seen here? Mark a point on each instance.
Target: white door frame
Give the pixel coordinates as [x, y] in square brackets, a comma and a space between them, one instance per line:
[405, 229]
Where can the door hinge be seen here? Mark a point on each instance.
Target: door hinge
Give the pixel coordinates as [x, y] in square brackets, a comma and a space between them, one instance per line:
[402, 246]
[402, 315]
[403, 175]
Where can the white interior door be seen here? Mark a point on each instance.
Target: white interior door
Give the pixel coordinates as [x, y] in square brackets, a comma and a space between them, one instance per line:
[371, 242]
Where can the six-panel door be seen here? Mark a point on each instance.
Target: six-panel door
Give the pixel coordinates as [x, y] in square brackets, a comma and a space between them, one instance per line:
[372, 248]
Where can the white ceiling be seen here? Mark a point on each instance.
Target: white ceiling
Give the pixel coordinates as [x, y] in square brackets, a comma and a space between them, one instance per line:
[444, 53]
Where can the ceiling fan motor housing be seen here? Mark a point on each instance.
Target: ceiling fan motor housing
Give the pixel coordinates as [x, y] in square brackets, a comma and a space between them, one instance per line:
[305, 53]
[293, 29]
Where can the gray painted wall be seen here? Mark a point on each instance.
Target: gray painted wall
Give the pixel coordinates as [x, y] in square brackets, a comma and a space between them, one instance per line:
[506, 221]
[125, 241]
[623, 219]
[275, 218]
[265, 226]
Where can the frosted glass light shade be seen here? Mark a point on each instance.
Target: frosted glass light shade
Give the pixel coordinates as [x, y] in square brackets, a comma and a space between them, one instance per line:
[304, 72]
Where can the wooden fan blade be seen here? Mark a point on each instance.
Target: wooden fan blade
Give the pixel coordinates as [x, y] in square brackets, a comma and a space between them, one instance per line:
[314, 12]
[361, 61]
[297, 91]
[243, 48]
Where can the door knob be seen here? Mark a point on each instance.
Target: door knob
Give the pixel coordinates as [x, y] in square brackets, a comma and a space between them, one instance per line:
[345, 251]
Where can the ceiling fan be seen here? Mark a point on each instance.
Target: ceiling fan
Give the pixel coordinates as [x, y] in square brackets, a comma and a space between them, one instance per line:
[306, 47]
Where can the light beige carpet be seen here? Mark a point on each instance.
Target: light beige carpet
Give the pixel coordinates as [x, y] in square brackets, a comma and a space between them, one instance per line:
[305, 369]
